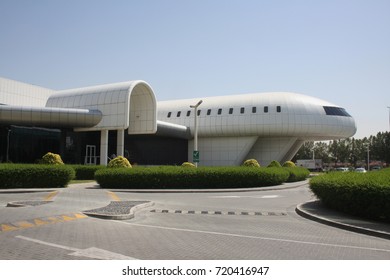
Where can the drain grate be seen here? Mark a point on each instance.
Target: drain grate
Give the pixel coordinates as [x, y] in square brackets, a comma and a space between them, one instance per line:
[232, 213]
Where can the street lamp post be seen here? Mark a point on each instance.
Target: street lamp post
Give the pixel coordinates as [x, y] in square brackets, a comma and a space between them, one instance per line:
[195, 107]
[368, 155]
[389, 116]
[7, 152]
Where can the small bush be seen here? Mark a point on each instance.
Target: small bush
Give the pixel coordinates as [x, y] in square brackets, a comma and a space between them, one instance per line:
[51, 158]
[251, 163]
[274, 163]
[288, 164]
[118, 162]
[362, 194]
[188, 164]
[35, 176]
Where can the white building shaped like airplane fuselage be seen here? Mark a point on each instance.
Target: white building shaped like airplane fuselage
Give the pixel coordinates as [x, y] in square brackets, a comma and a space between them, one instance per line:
[231, 129]
[264, 126]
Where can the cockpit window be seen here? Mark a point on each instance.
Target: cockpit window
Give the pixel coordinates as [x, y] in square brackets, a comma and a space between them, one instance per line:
[336, 111]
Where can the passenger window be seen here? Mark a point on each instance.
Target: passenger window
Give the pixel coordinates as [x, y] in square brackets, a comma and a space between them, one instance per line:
[188, 113]
[219, 111]
[278, 109]
[253, 109]
[242, 110]
[265, 109]
[169, 114]
[178, 114]
[230, 111]
[199, 112]
[208, 112]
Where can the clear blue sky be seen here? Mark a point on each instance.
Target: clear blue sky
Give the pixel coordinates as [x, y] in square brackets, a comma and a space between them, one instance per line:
[336, 50]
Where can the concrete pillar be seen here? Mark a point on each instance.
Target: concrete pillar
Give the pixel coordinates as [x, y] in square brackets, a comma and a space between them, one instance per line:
[103, 147]
[120, 142]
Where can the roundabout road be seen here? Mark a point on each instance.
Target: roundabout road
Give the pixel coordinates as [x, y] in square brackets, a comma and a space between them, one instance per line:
[259, 224]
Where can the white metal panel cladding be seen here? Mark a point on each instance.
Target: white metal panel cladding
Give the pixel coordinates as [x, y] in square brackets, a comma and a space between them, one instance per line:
[49, 117]
[20, 94]
[125, 105]
[276, 114]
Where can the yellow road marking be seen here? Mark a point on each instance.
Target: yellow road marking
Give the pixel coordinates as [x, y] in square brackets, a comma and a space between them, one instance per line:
[55, 220]
[114, 196]
[5, 227]
[50, 195]
[80, 216]
[67, 218]
[41, 221]
[24, 224]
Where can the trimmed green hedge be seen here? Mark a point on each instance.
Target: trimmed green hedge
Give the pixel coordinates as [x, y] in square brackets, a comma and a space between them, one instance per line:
[297, 173]
[361, 194]
[35, 175]
[198, 178]
[86, 172]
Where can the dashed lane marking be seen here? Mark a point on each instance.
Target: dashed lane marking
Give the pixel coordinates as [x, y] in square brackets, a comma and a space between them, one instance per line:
[40, 222]
[206, 212]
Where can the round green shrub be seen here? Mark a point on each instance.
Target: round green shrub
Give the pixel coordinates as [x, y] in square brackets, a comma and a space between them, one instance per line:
[251, 163]
[274, 163]
[51, 158]
[118, 162]
[288, 164]
[188, 164]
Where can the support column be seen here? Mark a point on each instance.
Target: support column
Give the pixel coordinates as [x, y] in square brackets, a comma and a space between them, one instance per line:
[120, 142]
[103, 147]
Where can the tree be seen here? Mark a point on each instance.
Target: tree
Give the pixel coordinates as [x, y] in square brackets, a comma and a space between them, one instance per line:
[349, 150]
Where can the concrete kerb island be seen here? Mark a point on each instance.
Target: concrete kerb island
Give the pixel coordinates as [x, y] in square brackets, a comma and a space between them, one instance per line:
[118, 210]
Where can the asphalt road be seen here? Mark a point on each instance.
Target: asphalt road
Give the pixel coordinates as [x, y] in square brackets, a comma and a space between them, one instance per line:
[210, 225]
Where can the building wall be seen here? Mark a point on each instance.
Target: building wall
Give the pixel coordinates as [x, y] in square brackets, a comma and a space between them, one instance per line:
[22, 94]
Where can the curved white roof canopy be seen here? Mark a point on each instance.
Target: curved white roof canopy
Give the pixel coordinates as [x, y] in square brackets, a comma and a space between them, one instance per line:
[128, 105]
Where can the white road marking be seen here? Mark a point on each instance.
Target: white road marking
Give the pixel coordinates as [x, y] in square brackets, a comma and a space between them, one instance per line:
[226, 196]
[270, 196]
[257, 237]
[94, 253]
[245, 196]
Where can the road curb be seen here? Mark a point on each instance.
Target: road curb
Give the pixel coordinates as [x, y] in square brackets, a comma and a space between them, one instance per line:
[306, 214]
[284, 186]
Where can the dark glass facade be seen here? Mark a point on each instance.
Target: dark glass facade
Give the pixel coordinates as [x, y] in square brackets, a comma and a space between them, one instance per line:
[28, 145]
